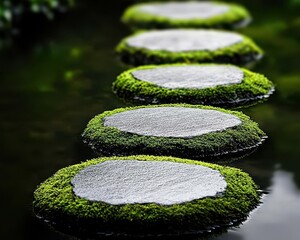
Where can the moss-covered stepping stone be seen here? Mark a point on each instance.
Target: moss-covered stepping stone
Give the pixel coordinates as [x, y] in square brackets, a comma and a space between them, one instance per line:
[187, 45]
[209, 84]
[186, 15]
[145, 195]
[191, 131]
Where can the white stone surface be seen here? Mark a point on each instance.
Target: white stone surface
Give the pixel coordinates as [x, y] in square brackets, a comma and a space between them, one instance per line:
[180, 40]
[180, 122]
[132, 181]
[191, 76]
[184, 10]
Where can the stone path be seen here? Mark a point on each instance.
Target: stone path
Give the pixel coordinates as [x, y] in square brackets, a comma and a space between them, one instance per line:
[184, 40]
[139, 182]
[126, 182]
[188, 10]
[190, 76]
[190, 14]
[180, 122]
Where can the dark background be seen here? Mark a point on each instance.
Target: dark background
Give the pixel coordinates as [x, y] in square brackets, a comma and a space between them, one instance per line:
[57, 75]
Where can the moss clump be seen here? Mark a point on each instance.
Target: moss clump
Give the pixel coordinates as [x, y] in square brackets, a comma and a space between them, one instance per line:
[239, 54]
[237, 16]
[252, 89]
[232, 142]
[55, 202]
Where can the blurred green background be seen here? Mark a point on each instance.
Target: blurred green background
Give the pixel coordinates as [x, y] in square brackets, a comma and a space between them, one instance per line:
[56, 75]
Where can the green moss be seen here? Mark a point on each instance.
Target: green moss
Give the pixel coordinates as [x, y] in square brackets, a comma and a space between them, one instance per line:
[237, 16]
[252, 89]
[214, 146]
[55, 201]
[240, 53]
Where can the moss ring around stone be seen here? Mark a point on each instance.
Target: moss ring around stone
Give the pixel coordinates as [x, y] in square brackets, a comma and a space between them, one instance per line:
[180, 130]
[145, 195]
[186, 15]
[187, 46]
[208, 84]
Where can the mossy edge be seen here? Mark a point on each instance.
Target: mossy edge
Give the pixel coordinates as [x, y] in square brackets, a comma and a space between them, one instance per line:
[55, 202]
[240, 53]
[237, 16]
[109, 141]
[253, 88]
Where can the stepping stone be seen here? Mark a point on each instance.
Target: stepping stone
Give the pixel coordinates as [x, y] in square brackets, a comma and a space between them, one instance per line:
[208, 84]
[192, 131]
[187, 45]
[186, 15]
[158, 184]
[145, 195]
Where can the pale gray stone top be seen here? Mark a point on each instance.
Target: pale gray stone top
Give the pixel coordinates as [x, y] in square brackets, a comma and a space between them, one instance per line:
[180, 122]
[184, 10]
[131, 181]
[179, 40]
[191, 76]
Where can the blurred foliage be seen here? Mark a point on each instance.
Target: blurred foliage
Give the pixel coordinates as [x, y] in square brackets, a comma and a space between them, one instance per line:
[11, 11]
[5, 14]
[48, 6]
[295, 2]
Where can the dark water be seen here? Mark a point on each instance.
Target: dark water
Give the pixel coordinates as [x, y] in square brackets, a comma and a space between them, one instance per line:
[59, 75]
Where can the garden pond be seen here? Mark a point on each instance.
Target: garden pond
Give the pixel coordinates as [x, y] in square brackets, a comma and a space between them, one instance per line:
[57, 75]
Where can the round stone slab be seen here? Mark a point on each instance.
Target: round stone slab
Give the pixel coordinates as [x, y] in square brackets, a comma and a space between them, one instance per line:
[186, 15]
[181, 130]
[205, 84]
[191, 76]
[187, 46]
[184, 40]
[132, 181]
[180, 122]
[144, 195]
[188, 10]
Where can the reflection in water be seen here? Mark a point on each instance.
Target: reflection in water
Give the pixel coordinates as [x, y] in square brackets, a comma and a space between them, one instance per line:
[270, 220]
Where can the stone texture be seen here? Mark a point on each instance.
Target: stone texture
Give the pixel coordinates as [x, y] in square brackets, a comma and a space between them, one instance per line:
[184, 40]
[132, 181]
[185, 10]
[191, 76]
[181, 122]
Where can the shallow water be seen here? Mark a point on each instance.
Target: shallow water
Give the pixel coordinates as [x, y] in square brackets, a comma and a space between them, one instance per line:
[59, 75]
